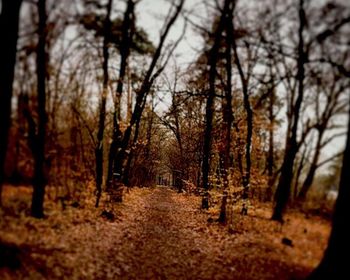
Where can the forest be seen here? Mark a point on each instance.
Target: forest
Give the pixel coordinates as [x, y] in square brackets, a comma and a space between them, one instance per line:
[174, 139]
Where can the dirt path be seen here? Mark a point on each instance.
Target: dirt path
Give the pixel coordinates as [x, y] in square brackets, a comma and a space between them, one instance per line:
[170, 238]
[161, 247]
[158, 234]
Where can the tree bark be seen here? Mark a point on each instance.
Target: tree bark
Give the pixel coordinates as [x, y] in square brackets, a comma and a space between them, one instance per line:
[9, 22]
[39, 151]
[102, 113]
[284, 185]
[209, 111]
[227, 116]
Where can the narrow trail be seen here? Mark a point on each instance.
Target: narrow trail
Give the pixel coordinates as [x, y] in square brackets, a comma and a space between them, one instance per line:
[158, 244]
[169, 238]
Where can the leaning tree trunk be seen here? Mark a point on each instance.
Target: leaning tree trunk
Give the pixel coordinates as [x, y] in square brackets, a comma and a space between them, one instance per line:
[147, 83]
[300, 166]
[102, 113]
[284, 185]
[9, 20]
[39, 150]
[335, 262]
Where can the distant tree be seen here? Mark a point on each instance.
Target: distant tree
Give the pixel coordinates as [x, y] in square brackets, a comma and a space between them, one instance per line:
[9, 22]
[39, 181]
[184, 120]
[172, 120]
[310, 49]
[244, 79]
[329, 104]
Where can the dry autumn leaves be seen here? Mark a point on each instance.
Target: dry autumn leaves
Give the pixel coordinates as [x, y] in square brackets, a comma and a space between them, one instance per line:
[156, 233]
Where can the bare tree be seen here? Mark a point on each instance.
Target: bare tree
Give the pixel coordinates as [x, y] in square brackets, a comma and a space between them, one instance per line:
[39, 145]
[147, 83]
[332, 89]
[244, 78]
[284, 184]
[334, 264]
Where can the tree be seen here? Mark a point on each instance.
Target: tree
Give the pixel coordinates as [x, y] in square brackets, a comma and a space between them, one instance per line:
[244, 78]
[286, 177]
[39, 180]
[9, 21]
[334, 264]
[328, 105]
[102, 113]
[128, 29]
[151, 75]
[227, 112]
[209, 111]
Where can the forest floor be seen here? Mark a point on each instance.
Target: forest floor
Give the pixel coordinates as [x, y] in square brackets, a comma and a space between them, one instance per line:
[156, 233]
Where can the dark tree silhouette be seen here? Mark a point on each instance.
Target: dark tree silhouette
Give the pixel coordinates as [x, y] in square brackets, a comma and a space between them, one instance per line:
[334, 264]
[9, 20]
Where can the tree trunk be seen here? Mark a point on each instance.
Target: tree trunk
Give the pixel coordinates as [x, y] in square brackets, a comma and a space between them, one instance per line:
[126, 172]
[127, 32]
[119, 152]
[286, 177]
[102, 113]
[299, 170]
[39, 151]
[209, 111]
[335, 264]
[227, 116]
[312, 171]
[9, 20]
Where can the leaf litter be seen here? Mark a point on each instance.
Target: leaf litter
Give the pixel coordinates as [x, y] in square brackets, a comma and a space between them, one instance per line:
[157, 233]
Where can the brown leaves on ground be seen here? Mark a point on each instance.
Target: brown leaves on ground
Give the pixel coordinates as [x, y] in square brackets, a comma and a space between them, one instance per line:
[157, 233]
